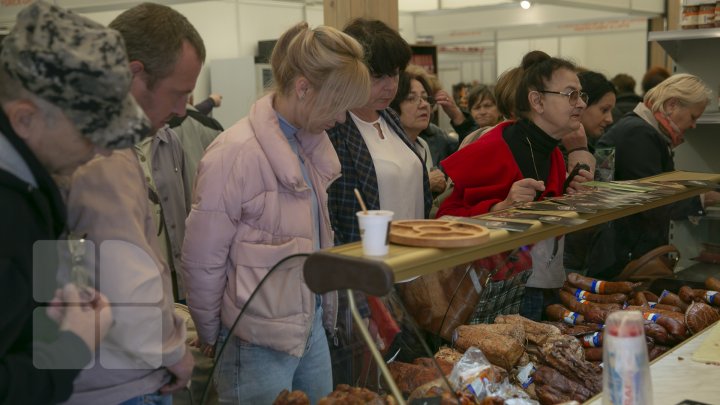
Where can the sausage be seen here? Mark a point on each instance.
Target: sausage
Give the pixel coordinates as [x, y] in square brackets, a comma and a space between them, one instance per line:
[616, 298]
[664, 307]
[557, 312]
[658, 334]
[592, 340]
[594, 354]
[675, 328]
[650, 296]
[688, 294]
[601, 287]
[584, 307]
[669, 298]
[657, 351]
[638, 299]
[713, 284]
[678, 316]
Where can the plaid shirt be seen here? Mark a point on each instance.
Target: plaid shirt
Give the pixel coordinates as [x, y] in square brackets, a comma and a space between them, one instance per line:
[358, 171]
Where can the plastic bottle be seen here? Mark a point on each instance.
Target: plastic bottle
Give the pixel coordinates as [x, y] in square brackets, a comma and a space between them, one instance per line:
[626, 372]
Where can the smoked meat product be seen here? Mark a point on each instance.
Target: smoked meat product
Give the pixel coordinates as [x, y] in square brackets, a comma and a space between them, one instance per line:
[699, 316]
[669, 298]
[567, 356]
[712, 283]
[552, 387]
[557, 312]
[601, 287]
[616, 298]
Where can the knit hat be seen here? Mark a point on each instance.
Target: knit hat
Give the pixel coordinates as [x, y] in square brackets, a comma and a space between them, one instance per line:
[81, 67]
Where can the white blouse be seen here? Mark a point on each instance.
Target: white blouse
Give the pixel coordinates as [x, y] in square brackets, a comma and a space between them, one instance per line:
[398, 169]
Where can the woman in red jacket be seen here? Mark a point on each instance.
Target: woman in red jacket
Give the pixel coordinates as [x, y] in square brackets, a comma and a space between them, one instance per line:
[519, 161]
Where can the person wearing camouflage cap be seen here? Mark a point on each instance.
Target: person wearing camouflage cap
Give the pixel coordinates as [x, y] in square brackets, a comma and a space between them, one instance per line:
[144, 357]
[65, 95]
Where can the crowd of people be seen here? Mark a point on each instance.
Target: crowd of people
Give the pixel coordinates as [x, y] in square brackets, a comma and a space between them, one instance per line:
[120, 200]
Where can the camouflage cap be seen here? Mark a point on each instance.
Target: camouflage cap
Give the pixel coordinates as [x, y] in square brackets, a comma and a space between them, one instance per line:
[81, 67]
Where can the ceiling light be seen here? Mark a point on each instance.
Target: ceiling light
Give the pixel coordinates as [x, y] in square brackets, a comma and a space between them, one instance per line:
[525, 4]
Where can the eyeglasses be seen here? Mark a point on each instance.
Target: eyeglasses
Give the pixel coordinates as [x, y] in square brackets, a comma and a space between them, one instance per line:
[572, 96]
[416, 99]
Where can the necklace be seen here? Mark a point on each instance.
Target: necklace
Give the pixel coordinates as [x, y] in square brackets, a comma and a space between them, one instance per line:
[532, 156]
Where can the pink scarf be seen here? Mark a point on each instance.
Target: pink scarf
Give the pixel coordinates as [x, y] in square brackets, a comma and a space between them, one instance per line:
[668, 127]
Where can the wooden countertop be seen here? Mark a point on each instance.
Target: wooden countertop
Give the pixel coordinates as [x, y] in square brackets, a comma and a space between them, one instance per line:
[407, 261]
[677, 377]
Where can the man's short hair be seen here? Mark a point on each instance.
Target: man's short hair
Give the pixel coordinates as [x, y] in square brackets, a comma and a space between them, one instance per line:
[77, 65]
[154, 35]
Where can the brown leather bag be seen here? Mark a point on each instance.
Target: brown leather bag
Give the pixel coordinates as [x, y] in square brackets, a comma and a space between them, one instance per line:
[651, 266]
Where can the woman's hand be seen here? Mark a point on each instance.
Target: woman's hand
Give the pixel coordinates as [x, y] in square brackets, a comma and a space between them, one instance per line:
[437, 181]
[207, 349]
[521, 191]
[576, 183]
[444, 100]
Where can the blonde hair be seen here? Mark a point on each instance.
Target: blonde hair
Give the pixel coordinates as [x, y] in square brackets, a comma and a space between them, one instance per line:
[687, 88]
[330, 60]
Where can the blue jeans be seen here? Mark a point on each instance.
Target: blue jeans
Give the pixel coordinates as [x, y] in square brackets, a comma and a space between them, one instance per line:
[250, 374]
[149, 399]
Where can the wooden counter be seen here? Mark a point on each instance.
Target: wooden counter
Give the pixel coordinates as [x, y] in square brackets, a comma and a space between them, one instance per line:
[407, 262]
[676, 377]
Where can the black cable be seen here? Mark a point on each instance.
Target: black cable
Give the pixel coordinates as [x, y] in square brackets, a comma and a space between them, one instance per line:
[237, 319]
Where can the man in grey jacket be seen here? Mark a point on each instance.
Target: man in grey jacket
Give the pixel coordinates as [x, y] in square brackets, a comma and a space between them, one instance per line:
[144, 359]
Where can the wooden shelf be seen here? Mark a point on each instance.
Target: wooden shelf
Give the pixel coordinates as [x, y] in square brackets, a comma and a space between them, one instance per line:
[407, 262]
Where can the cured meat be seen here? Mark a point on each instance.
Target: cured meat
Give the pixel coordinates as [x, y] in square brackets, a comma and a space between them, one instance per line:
[552, 387]
[596, 286]
[699, 316]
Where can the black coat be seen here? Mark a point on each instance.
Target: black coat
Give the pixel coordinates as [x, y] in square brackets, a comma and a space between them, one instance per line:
[640, 151]
[29, 214]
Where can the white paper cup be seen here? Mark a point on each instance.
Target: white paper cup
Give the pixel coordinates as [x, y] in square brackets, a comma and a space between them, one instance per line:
[375, 231]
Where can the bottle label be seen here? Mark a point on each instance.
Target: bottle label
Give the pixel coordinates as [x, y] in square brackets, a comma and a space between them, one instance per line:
[581, 294]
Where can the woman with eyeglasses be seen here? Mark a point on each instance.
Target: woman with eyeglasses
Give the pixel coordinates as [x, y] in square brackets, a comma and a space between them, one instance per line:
[414, 105]
[519, 161]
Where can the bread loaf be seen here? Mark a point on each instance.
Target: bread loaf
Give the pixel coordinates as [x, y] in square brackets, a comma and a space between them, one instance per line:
[501, 350]
[535, 332]
[292, 398]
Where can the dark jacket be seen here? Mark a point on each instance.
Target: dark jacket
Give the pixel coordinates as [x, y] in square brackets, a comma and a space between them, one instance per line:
[641, 150]
[625, 103]
[466, 127]
[29, 214]
[358, 171]
[441, 144]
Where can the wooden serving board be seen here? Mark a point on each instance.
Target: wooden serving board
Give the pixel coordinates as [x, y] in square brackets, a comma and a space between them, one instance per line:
[437, 233]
